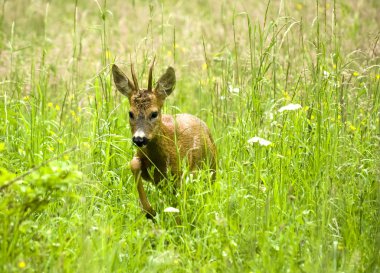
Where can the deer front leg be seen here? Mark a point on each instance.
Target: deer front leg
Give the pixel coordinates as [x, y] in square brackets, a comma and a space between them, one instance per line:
[136, 170]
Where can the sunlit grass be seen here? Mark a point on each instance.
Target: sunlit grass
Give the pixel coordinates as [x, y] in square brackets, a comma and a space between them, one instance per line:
[290, 91]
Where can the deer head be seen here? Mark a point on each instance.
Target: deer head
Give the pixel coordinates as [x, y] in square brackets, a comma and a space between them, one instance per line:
[145, 104]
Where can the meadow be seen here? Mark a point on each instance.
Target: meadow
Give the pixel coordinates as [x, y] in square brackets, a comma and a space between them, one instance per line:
[289, 89]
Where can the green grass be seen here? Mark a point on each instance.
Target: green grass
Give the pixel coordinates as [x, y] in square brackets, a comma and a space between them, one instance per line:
[309, 202]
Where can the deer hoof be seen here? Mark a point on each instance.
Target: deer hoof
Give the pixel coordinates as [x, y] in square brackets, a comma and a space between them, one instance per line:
[151, 216]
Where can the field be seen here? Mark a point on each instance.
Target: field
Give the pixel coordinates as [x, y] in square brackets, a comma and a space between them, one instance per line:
[289, 89]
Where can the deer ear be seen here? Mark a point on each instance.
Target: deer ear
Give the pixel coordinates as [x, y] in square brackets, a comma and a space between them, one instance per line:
[165, 85]
[123, 84]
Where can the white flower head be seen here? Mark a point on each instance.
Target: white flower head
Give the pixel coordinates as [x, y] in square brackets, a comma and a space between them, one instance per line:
[232, 89]
[261, 141]
[171, 210]
[290, 107]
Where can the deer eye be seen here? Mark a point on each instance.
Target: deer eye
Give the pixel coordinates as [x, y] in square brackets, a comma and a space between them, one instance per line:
[131, 116]
[154, 115]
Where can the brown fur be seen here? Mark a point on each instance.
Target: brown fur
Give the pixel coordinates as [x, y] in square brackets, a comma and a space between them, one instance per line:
[171, 140]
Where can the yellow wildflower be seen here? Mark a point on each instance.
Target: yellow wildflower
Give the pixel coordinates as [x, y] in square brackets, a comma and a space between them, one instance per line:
[50, 105]
[21, 264]
[57, 107]
[108, 54]
[355, 74]
[299, 6]
[286, 95]
[204, 66]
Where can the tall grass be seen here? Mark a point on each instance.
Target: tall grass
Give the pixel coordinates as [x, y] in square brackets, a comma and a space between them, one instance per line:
[307, 202]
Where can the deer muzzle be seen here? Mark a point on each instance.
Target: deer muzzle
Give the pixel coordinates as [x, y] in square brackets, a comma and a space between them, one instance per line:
[139, 138]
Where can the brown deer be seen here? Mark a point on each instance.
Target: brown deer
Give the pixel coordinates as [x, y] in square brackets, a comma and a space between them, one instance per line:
[164, 141]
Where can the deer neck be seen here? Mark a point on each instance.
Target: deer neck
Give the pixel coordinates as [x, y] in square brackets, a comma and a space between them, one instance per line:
[157, 148]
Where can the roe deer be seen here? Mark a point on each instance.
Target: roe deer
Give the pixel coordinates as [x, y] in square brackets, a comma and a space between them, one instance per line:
[163, 141]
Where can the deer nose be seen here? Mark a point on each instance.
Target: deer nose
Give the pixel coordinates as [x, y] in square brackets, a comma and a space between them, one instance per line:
[139, 141]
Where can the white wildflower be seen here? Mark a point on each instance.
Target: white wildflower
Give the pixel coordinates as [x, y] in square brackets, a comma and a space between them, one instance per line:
[171, 209]
[261, 141]
[326, 74]
[232, 89]
[290, 107]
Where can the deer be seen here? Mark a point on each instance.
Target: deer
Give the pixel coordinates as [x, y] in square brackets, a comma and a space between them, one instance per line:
[163, 141]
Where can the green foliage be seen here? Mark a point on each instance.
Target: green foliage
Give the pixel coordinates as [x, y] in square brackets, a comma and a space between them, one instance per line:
[23, 199]
[289, 89]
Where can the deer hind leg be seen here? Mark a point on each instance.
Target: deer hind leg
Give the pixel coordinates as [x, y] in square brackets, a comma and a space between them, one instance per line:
[136, 170]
